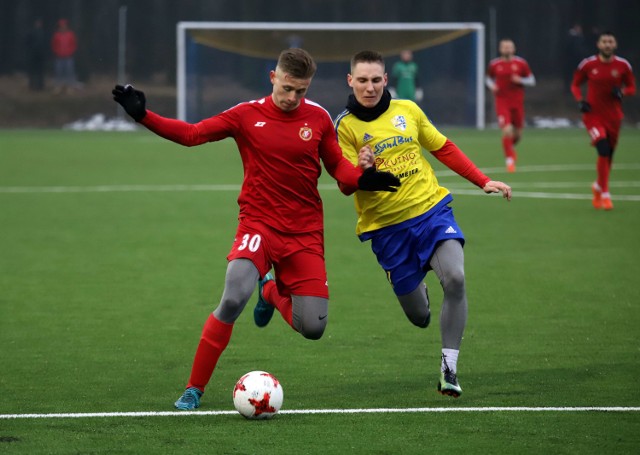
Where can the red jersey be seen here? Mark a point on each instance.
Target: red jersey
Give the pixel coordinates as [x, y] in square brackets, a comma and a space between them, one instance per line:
[64, 44]
[602, 77]
[281, 153]
[501, 70]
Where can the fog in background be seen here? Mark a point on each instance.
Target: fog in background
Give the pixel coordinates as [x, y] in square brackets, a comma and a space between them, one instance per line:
[539, 28]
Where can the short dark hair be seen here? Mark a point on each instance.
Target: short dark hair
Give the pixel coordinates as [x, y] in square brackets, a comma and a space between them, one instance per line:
[367, 57]
[297, 62]
[605, 33]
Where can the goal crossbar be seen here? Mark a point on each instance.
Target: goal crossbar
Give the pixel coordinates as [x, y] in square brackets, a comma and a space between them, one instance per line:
[269, 38]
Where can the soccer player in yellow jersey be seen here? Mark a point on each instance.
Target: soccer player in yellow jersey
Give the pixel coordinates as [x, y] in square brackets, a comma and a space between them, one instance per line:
[413, 230]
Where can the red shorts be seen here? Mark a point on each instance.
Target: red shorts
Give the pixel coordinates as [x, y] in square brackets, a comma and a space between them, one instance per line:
[600, 128]
[509, 114]
[297, 259]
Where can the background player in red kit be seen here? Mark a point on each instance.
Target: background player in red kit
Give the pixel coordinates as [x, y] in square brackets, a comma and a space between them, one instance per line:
[507, 76]
[609, 78]
[281, 139]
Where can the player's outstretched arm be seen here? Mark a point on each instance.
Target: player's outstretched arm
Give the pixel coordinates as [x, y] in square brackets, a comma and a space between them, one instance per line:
[133, 101]
[494, 186]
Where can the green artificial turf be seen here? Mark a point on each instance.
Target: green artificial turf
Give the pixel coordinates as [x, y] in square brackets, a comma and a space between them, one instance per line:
[112, 254]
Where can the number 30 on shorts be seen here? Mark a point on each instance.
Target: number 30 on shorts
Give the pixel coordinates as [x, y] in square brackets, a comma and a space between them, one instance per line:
[250, 241]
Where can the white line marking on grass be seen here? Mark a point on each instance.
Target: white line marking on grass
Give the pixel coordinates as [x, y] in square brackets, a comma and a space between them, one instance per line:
[331, 186]
[547, 168]
[116, 188]
[184, 188]
[547, 185]
[323, 411]
[539, 195]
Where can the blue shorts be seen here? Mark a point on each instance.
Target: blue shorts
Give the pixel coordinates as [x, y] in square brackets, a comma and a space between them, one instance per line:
[405, 249]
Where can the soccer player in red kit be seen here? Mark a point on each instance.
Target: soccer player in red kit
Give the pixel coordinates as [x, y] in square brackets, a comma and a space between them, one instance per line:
[507, 76]
[281, 138]
[609, 78]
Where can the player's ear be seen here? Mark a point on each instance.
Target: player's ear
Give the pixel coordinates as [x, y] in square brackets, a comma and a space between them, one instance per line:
[350, 79]
[272, 76]
[386, 79]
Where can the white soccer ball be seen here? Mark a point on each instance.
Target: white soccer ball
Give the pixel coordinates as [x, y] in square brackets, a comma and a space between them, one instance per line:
[258, 395]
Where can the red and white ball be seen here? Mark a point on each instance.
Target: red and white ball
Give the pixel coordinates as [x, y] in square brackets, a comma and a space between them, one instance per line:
[258, 395]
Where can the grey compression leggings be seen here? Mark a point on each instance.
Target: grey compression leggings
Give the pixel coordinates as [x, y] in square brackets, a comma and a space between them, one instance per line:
[309, 313]
[448, 264]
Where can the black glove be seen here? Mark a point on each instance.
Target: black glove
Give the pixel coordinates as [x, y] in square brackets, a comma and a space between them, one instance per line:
[133, 101]
[372, 180]
[617, 93]
[584, 106]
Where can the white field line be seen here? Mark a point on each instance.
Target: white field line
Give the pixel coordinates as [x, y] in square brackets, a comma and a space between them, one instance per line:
[322, 411]
[236, 188]
[181, 188]
[548, 168]
[540, 195]
[116, 188]
[455, 187]
[546, 185]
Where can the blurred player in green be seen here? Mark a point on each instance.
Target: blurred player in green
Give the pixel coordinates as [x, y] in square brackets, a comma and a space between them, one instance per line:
[413, 230]
[404, 78]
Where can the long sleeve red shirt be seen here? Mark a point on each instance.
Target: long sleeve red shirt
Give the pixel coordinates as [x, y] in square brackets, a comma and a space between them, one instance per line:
[601, 78]
[281, 154]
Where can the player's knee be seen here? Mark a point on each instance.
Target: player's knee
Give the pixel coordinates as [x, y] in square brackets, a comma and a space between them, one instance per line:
[420, 318]
[309, 316]
[604, 148]
[229, 309]
[454, 283]
[507, 130]
[312, 330]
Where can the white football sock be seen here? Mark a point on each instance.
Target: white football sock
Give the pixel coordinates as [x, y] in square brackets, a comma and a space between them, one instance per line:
[449, 359]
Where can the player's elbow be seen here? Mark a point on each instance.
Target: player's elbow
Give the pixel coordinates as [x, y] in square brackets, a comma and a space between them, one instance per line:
[347, 190]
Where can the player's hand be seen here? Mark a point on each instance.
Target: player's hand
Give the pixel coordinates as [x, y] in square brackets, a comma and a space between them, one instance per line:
[516, 79]
[617, 93]
[584, 106]
[498, 187]
[365, 157]
[133, 101]
[372, 180]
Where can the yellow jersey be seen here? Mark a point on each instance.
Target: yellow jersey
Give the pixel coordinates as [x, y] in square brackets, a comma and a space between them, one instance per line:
[397, 138]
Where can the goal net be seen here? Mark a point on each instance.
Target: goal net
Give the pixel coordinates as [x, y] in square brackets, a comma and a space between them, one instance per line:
[221, 64]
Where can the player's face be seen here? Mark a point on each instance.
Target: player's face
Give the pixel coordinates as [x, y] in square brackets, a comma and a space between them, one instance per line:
[288, 91]
[607, 45]
[368, 80]
[507, 49]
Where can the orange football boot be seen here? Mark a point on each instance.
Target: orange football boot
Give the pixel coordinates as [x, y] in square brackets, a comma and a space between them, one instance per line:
[597, 198]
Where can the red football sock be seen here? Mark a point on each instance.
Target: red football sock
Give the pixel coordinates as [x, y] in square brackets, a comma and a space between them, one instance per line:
[214, 340]
[603, 167]
[283, 304]
[507, 146]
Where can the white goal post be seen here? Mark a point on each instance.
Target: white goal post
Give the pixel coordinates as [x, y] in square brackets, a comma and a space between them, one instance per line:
[334, 43]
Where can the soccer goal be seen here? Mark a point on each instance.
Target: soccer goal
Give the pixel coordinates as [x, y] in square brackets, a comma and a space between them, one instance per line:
[223, 63]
